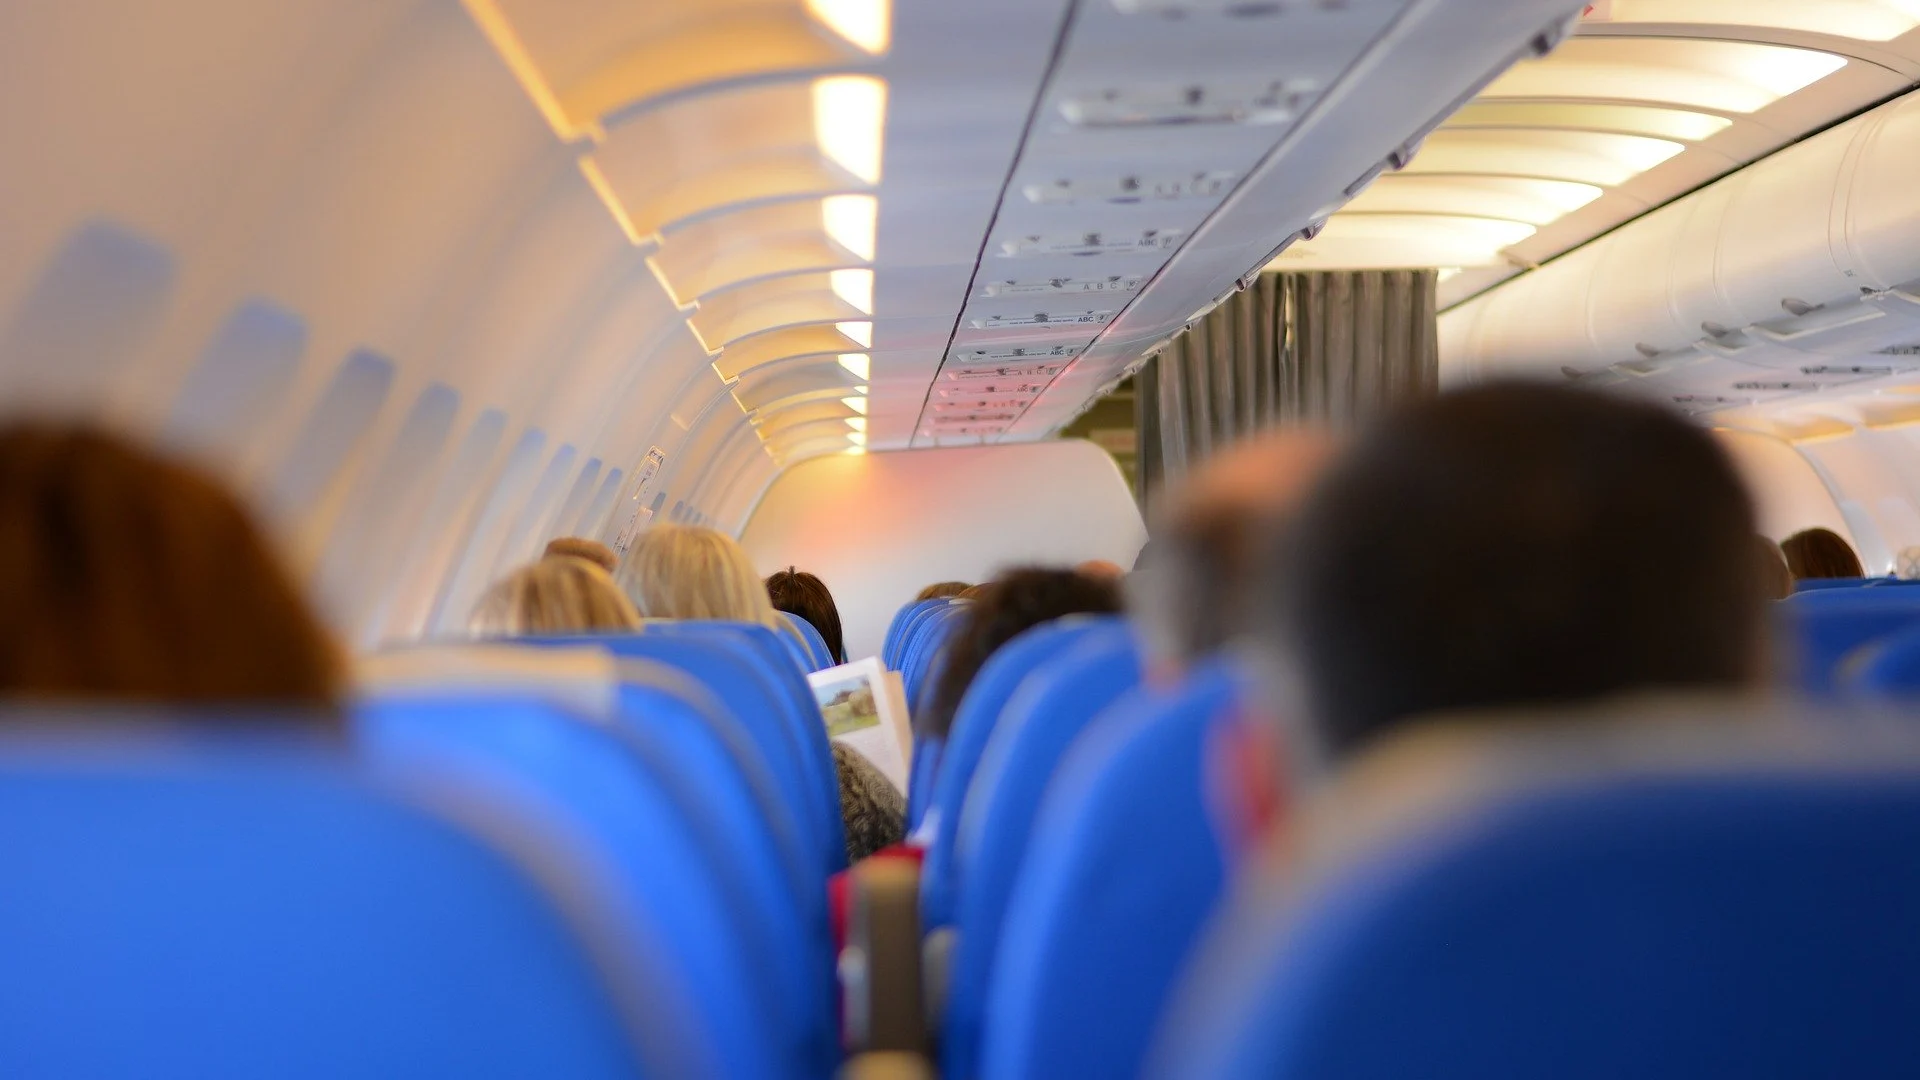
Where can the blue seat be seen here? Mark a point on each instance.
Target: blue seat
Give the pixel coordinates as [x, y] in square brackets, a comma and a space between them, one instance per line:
[650, 821]
[1889, 668]
[1657, 925]
[1044, 718]
[925, 652]
[819, 658]
[1824, 626]
[223, 908]
[749, 674]
[973, 725]
[799, 649]
[892, 651]
[926, 766]
[1124, 868]
[1822, 584]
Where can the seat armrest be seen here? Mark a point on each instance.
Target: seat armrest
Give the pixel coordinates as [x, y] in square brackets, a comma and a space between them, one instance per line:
[880, 975]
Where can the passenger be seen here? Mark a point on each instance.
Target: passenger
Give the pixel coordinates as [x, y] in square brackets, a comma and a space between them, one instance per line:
[1016, 601]
[807, 597]
[557, 595]
[1776, 580]
[591, 550]
[943, 590]
[693, 572]
[1821, 553]
[1193, 598]
[128, 577]
[1479, 550]
[872, 808]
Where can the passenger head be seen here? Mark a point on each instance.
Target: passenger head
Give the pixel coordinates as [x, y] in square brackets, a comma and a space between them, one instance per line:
[127, 577]
[1776, 580]
[1105, 569]
[1193, 598]
[943, 590]
[693, 572]
[1017, 600]
[806, 596]
[872, 809]
[1514, 544]
[591, 550]
[1820, 553]
[557, 595]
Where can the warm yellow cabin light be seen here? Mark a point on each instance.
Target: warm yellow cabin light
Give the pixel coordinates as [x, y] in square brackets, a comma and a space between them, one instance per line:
[1718, 76]
[866, 23]
[853, 222]
[850, 122]
[855, 287]
[857, 404]
[1518, 198]
[597, 180]
[857, 423]
[857, 438]
[860, 333]
[859, 364]
[1656, 120]
[500, 34]
[1862, 20]
[854, 451]
[1448, 273]
[1599, 159]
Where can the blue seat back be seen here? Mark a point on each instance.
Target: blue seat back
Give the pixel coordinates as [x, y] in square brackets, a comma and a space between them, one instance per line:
[1821, 584]
[203, 909]
[819, 658]
[892, 650]
[925, 652]
[973, 725]
[1751, 923]
[1045, 716]
[1124, 868]
[749, 675]
[926, 766]
[669, 858]
[799, 649]
[1889, 668]
[798, 709]
[1822, 627]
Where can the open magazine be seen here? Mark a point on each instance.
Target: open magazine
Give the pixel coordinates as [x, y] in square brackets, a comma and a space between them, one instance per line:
[865, 706]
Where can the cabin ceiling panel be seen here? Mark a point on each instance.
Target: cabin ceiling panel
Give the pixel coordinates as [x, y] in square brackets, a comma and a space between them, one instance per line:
[1650, 100]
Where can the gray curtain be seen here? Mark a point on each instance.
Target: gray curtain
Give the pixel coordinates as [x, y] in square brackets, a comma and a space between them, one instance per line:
[1324, 348]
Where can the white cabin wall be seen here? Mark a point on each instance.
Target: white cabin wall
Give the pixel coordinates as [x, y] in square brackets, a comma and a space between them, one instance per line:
[877, 528]
[1788, 492]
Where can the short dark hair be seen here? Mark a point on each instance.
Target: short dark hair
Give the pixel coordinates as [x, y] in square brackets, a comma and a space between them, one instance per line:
[799, 593]
[1820, 553]
[1513, 544]
[1015, 601]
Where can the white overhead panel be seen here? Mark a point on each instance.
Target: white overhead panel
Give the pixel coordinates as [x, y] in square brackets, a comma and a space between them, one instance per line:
[1650, 100]
[1174, 147]
[1784, 298]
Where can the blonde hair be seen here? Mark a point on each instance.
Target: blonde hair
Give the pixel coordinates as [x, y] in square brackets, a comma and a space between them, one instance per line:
[692, 572]
[559, 594]
[591, 550]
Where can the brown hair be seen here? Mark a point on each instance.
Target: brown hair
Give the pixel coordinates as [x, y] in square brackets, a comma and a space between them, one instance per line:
[1017, 600]
[942, 590]
[557, 595]
[1820, 553]
[593, 551]
[127, 577]
[803, 595]
[1776, 580]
